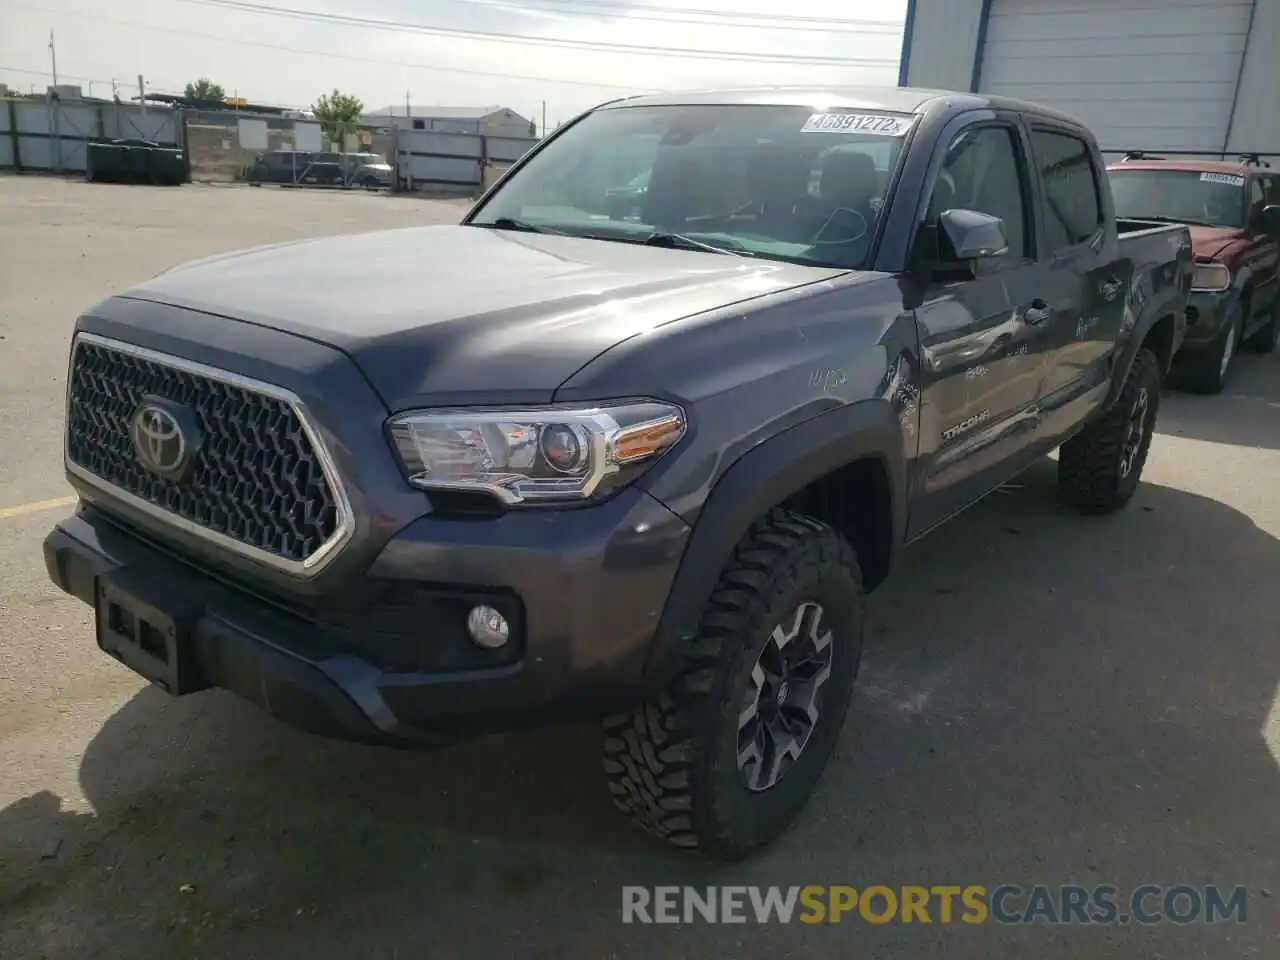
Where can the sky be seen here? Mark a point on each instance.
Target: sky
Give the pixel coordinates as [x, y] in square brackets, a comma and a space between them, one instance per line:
[572, 54]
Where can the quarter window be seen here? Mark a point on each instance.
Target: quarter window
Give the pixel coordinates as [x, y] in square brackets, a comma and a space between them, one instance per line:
[1073, 205]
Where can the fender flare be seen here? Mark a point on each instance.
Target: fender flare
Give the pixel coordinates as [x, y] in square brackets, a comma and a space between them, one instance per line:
[1240, 282]
[759, 480]
[1150, 312]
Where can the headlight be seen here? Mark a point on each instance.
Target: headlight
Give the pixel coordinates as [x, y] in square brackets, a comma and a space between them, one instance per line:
[556, 453]
[1210, 277]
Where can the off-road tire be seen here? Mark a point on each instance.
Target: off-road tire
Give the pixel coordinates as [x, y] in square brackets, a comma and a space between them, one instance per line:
[671, 765]
[1090, 476]
[1266, 339]
[1202, 371]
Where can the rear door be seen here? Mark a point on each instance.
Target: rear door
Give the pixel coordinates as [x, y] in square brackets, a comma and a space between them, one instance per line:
[981, 351]
[1086, 278]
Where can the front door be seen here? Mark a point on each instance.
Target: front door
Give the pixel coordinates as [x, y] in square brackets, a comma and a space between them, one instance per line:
[981, 338]
[1262, 257]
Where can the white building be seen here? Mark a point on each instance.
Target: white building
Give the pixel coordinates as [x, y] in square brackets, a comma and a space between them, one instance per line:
[1186, 75]
[491, 121]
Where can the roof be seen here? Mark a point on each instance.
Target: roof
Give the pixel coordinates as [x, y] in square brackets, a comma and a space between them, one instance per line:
[439, 113]
[1238, 167]
[886, 98]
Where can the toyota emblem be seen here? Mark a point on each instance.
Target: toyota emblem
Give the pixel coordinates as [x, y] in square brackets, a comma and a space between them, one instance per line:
[164, 444]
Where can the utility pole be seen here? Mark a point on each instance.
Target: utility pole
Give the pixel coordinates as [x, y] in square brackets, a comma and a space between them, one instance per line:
[53, 59]
[407, 109]
[142, 95]
[544, 118]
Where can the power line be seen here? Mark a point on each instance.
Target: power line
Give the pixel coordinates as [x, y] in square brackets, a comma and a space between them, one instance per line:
[306, 51]
[627, 7]
[158, 88]
[718, 18]
[399, 26]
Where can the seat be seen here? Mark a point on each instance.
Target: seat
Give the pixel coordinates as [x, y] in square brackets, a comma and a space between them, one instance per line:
[675, 183]
[842, 212]
[775, 179]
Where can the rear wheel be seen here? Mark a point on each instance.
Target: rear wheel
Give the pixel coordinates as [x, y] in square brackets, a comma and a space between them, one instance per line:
[1099, 468]
[727, 756]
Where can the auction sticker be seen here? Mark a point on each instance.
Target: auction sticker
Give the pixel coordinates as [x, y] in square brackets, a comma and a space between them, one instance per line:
[1227, 178]
[874, 123]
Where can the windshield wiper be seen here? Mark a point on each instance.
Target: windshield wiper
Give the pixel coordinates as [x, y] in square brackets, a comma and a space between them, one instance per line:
[511, 223]
[680, 241]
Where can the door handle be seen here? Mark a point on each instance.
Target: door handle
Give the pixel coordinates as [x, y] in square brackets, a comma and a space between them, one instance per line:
[1038, 312]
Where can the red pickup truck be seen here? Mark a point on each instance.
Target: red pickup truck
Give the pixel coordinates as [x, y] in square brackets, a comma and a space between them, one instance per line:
[1233, 210]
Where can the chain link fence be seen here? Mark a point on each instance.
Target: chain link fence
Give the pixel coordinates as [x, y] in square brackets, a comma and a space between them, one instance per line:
[227, 146]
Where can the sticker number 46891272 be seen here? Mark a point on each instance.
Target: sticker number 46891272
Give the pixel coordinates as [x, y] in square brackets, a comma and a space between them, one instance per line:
[873, 123]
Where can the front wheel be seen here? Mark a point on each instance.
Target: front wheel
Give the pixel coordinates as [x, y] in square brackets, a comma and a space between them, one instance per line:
[1205, 371]
[1099, 468]
[728, 755]
[1268, 338]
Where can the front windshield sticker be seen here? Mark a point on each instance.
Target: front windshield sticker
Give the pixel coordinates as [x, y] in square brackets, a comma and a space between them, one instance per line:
[877, 124]
[1227, 178]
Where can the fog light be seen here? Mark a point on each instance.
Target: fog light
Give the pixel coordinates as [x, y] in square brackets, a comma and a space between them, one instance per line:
[488, 628]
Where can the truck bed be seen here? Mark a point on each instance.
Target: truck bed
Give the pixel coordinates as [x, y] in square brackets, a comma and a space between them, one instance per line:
[1128, 228]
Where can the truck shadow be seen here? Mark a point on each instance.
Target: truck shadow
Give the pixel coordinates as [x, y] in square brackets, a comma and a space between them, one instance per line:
[1245, 414]
[1046, 698]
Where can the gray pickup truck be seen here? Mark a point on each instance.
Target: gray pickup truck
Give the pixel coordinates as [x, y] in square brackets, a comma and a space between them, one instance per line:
[629, 455]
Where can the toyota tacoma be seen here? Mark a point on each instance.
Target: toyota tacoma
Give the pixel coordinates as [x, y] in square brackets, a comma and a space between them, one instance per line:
[630, 455]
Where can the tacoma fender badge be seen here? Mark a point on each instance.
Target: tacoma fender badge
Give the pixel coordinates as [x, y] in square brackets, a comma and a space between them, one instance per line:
[964, 426]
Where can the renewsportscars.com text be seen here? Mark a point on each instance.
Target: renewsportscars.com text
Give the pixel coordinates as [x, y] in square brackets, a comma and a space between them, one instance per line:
[1006, 904]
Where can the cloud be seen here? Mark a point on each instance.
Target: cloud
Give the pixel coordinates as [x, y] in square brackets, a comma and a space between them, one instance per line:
[290, 61]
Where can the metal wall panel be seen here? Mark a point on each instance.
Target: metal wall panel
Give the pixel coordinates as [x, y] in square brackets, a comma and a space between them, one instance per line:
[426, 158]
[509, 149]
[1142, 74]
[1256, 124]
[944, 39]
[54, 136]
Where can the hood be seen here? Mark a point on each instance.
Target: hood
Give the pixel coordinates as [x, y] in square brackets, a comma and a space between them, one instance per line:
[457, 313]
[1209, 242]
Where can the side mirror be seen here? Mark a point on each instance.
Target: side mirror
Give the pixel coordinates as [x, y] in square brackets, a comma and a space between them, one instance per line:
[968, 235]
[1268, 221]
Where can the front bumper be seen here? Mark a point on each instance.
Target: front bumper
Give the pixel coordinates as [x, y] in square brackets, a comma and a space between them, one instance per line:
[583, 590]
[1206, 314]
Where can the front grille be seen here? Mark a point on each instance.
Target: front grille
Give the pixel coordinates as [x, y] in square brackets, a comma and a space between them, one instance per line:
[256, 479]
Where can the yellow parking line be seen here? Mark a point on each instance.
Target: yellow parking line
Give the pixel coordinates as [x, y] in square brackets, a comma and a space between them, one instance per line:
[22, 509]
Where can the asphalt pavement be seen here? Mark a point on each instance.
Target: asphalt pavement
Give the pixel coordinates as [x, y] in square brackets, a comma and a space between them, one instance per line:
[1046, 699]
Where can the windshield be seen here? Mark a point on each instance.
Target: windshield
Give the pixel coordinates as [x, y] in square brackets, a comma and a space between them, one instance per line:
[1186, 196]
[776, 182]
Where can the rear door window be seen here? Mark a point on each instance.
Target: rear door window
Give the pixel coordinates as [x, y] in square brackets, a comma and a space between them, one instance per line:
[1073, 202]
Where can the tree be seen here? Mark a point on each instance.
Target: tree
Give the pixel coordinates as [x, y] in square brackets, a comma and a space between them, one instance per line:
[205, 89]
[337, 113]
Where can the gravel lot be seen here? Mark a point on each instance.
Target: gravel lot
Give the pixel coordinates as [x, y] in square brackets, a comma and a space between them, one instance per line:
[1046, 699]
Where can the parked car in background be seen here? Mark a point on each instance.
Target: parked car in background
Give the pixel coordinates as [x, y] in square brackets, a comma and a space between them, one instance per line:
[1233, 210]
[639, 468]
[368, 170]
